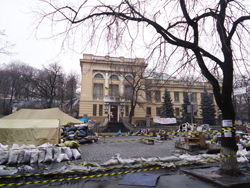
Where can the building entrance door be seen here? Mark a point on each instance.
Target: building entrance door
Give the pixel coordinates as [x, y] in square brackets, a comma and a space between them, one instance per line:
[113, 114]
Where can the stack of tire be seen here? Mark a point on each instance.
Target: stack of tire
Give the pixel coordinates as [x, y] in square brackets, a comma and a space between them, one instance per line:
[80, 133]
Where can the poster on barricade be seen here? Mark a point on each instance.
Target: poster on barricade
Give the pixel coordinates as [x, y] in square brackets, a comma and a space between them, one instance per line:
[164, 120]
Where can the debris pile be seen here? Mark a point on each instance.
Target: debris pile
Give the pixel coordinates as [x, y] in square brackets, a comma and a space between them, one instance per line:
[80, 132]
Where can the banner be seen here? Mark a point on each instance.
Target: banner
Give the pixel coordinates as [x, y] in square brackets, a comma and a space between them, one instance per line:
[238, 122]
[164, 120]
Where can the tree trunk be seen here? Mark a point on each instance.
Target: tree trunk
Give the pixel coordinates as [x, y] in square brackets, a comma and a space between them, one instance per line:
[228, 160]
[228, 165]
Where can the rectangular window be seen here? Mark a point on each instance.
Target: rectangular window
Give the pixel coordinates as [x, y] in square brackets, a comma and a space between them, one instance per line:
[148, 81]
[128, 92]
[193, 97]
[94, 109]
[100, 109]
[158, 111]
[148, 95]
[114, 90]
[98, 91]
[149, 111]
[177, 111]
[176, 97]
[185, 94]
[195, 113]
[158, 96]
[126, 110]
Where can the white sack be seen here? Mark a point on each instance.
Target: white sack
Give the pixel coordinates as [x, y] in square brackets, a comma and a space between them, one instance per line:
[76, 154]
[4, 156]
[49, 155]
[68, 151]
[62, 157]
[13, 156]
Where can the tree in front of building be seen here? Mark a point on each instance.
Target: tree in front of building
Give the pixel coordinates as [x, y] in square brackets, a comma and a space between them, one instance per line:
[204, 34]
[208, 109]
[167, 109]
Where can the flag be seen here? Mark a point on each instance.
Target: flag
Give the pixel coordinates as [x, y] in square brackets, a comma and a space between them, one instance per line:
[106, 88]
[248, 89]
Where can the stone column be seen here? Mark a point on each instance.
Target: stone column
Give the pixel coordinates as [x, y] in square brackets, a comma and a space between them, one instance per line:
[121, 87]
[106, 84]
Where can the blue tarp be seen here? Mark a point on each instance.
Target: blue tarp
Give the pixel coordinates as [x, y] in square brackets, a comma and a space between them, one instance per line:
[84, 119]
[140, 179]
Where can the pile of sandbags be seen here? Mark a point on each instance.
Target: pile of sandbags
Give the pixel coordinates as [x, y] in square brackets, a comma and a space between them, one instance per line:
[81, 132]
[45, 153]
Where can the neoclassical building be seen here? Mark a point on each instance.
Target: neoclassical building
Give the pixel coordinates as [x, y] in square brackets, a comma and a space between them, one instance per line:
[105, 88]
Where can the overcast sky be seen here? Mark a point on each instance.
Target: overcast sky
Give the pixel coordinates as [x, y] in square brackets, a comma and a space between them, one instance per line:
[17, 24]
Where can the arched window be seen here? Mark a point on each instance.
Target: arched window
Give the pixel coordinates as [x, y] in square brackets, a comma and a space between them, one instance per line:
[98, 76]
[129, 77]
[114, 77]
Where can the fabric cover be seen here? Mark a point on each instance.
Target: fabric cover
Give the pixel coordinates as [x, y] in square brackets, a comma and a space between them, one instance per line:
[14, 130]
[51, 113]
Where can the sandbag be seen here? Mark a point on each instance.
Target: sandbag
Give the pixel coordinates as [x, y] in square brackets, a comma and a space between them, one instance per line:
[125, 161]
[169, 159]
[76, 154]
[72, 129]
[68, 152]
[26, 156]
[20, 156]
[57, 152]
[15, 147]
[34, 156]
[4, 147]
[4, 156]
[83, 132]
[13, 156]
[113, 160]
[48, 155]
[41, 156]
[62, 157]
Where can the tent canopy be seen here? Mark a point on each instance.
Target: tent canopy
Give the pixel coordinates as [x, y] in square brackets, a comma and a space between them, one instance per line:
[50, 113]
[29, 131]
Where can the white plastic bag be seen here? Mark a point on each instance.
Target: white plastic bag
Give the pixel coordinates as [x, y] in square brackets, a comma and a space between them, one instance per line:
[68, 151]
[76, 154]
[62, 157]
[15, 147]
[4, 156]
[26, 156]
[41, 156]
[13, 156]
[169, 159]
[20, 156]
[49, 155]
[4, 147]
[34, 156]
[57, 152]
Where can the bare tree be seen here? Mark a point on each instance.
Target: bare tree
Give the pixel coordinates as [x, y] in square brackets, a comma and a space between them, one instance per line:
[133, 76]
[46, 84]
[5, 45]
[212, 35]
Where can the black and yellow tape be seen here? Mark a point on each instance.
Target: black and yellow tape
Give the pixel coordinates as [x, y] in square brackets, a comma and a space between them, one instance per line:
[98, 175]
[169, 134]
[176, 163]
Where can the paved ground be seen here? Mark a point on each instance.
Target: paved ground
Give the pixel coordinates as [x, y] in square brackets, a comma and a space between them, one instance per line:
[103, 152]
